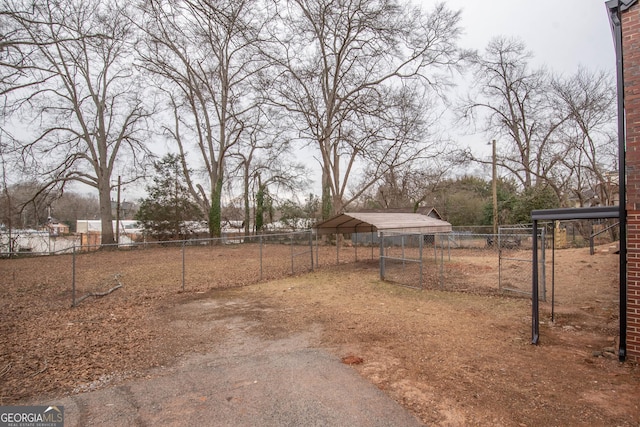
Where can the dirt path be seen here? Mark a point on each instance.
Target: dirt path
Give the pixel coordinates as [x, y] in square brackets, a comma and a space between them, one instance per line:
[242, 380]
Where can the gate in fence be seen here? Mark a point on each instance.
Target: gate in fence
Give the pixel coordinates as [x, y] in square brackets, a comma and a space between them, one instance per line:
[515, 256]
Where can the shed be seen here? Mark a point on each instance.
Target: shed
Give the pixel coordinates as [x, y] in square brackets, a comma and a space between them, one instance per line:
[385, 222]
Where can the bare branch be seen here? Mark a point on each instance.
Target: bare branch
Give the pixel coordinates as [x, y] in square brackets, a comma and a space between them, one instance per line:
[344, 69]
[79, 91]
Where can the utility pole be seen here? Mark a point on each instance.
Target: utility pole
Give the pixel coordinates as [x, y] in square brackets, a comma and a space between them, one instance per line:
[494, 185]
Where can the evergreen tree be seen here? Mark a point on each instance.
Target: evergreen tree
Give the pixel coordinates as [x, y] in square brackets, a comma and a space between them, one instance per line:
[169, 212]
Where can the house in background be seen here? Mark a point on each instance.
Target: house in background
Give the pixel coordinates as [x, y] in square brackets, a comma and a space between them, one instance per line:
[56, 228]
[431, 212]
[90, 231]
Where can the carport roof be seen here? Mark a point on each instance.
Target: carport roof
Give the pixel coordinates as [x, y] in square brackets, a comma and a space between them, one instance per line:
[388, 222]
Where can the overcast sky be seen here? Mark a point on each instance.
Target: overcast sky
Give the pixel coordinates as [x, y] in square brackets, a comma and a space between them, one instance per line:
[561, 33]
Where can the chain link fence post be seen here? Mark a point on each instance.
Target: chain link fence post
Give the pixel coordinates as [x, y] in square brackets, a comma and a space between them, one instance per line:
[73, 277]
[183, 264]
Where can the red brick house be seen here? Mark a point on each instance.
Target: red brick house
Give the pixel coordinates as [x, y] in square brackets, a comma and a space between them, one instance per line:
[625, 20]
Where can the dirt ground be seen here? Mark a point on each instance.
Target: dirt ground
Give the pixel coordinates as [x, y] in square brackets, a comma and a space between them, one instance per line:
[454, 355]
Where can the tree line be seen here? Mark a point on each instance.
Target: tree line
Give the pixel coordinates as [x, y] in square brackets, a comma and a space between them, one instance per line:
[232, 90]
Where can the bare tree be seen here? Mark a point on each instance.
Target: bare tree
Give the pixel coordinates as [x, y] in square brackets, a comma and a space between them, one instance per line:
[71, 207]
[25, 205]
[85, 108]
[352, 73]
[412, 185]
[588, 136]
[204, 53]
[7, 205]
[265, 161]
[16, 52]
[514, 103]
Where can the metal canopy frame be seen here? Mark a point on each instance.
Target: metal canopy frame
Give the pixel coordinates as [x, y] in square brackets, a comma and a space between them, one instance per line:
[387, 222]
[600, 212]
[566, 214]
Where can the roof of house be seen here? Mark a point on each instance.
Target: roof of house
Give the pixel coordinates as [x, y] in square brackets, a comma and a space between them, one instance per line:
[623, 4]
[423, 210]
[387, 222]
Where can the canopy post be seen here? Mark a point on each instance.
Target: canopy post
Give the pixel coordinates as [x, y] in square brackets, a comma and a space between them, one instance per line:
[535, 314]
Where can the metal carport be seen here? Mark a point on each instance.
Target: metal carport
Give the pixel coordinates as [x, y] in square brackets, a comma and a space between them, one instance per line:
[385, 224]
[388, 222]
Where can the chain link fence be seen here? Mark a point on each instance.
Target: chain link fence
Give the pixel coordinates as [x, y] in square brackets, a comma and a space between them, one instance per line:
[462, 260]
[86, 270]
[191, 264]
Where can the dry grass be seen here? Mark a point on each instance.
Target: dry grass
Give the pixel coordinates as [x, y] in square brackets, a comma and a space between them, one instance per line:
[454, 358]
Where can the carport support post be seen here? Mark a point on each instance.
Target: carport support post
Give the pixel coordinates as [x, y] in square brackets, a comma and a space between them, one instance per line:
[311, 247]
[317, 249]
[441, 264]
[535, 324]
[381, 235]
[421, 261]
[372, 244]
[356, 246]
[435, 250]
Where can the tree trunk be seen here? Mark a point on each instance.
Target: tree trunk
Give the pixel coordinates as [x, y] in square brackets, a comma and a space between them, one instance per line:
[259, 208]
[327, 206]
[106, 217]
[215, 213]
[247, 209]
